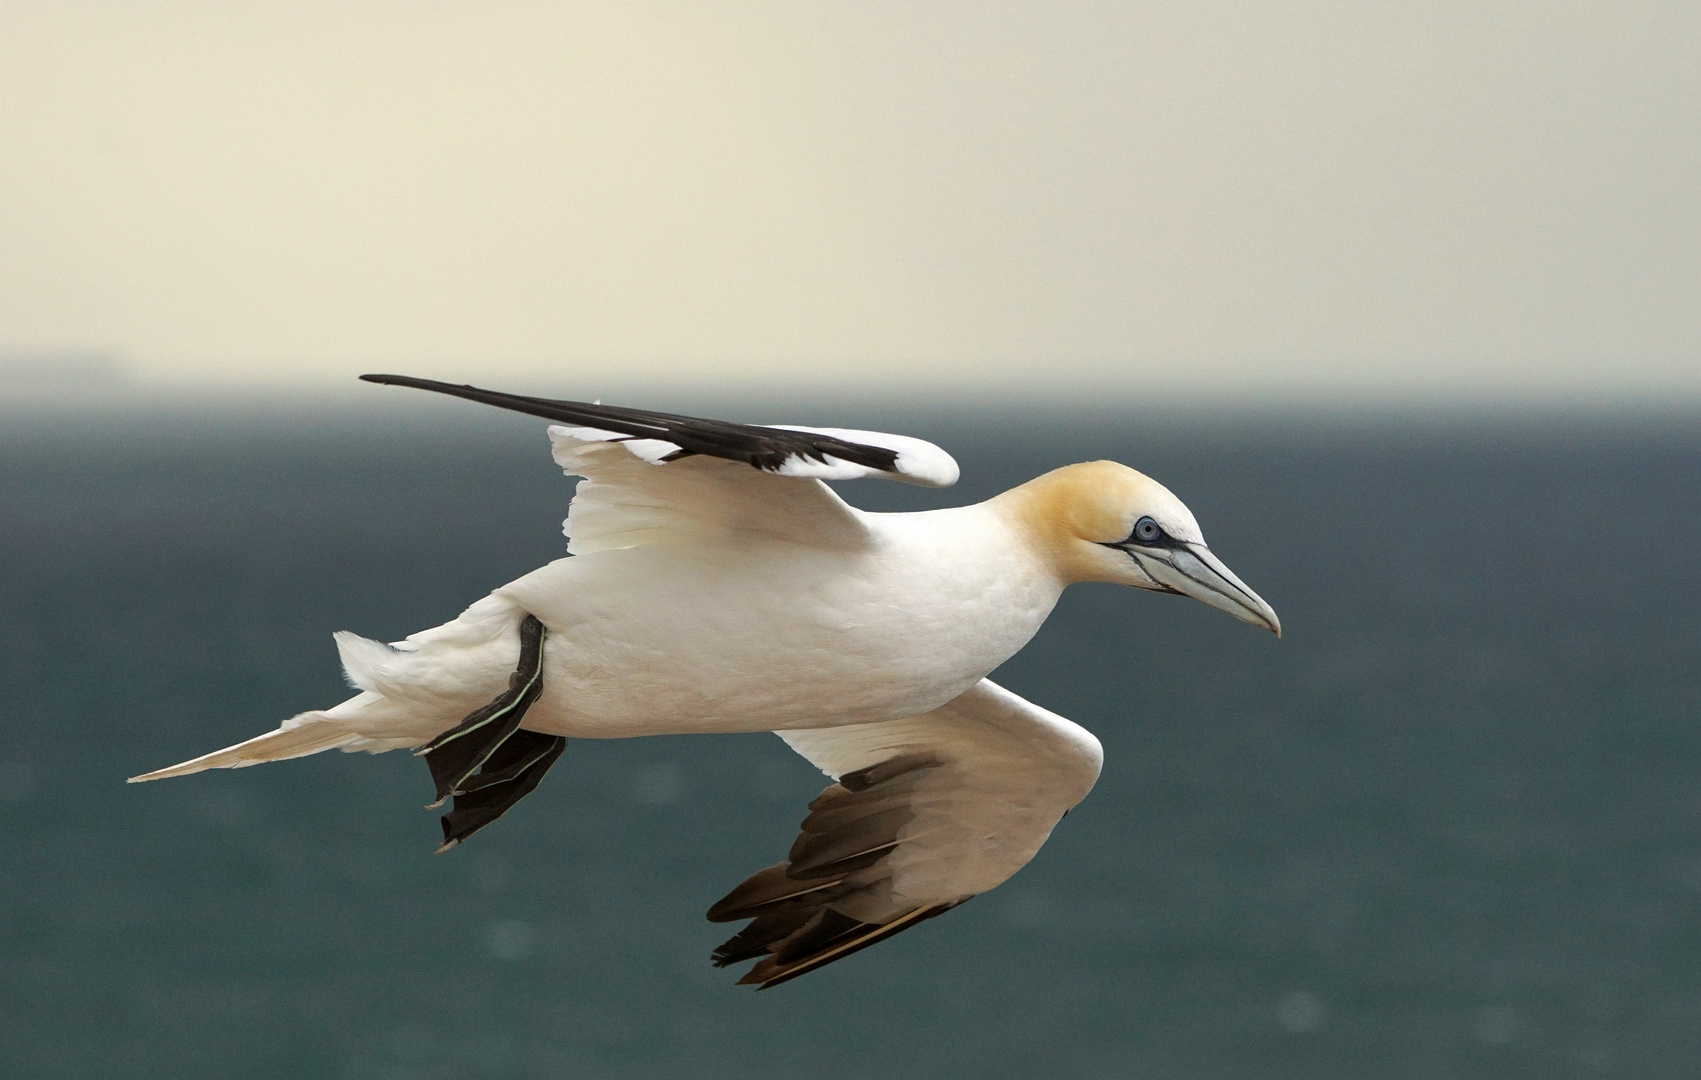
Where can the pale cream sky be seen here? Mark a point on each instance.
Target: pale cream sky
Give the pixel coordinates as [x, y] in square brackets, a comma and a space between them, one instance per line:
[1328, 199]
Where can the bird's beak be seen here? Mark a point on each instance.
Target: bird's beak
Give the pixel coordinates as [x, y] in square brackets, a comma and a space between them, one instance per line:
[1192, 569]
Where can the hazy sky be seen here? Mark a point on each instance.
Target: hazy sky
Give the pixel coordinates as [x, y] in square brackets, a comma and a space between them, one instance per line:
[1315, 198]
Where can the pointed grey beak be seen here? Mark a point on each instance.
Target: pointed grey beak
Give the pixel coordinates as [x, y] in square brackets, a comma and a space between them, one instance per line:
[1193, 570]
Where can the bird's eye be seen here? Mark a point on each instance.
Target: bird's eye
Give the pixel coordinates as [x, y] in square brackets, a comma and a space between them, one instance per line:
[1146, 530]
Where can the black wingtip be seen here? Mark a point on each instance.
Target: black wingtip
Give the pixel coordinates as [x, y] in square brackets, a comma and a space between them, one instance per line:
[562, 411]
[417, 383]
[402, 380]
[762, 448]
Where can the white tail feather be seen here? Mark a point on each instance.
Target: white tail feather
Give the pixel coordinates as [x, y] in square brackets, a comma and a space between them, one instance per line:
[411, 692]
[297, 738]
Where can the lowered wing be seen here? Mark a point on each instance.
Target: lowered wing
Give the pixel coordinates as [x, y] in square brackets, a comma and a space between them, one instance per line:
[925, 812]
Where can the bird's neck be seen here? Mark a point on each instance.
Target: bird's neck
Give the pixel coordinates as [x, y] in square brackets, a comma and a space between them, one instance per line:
[1055, 519]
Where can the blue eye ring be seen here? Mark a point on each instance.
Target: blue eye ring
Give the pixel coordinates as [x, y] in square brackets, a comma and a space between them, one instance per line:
[1146, 531]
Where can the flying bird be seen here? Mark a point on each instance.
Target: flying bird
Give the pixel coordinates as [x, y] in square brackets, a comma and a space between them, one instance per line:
[715, 583]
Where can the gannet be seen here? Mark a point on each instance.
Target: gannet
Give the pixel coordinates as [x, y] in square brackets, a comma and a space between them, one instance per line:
[715, 583]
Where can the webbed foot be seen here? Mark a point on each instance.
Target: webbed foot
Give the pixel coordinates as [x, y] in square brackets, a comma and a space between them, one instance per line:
[486, 763]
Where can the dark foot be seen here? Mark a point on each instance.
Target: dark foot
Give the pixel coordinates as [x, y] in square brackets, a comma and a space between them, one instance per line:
[486, 763]
[509, 776]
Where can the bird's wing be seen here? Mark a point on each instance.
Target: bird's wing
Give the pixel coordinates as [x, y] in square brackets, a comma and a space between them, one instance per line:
[713, 474]
[926, 812]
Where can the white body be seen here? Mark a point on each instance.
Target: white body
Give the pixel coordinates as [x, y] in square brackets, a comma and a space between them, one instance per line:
[674, 638]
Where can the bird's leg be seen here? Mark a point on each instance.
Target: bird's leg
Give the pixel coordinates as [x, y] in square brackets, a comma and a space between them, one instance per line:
[462, 750]
[486, 763]
[511, 774]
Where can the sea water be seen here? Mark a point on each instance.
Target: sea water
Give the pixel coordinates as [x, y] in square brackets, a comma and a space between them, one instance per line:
[1448, 826]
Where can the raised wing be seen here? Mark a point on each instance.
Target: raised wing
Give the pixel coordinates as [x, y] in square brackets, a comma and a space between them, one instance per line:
[714, 475]
[926, 812]
[784, 449]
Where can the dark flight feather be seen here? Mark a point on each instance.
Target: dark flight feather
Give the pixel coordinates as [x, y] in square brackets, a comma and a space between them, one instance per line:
[763, 448]
[794, 906]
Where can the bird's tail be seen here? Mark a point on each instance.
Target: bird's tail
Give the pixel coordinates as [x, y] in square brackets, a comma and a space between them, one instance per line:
[299, 736]
[409, 692]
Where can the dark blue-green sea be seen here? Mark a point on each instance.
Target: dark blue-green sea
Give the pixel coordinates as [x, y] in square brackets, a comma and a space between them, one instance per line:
[1449, 826]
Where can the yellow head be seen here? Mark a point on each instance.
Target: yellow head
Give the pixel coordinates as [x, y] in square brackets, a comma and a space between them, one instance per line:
[1102, 521]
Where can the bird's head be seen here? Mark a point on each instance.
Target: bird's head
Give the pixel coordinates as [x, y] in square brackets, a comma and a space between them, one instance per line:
[1102, 521]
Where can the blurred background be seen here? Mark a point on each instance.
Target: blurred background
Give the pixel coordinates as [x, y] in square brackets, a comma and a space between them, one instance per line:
[1401, 301]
